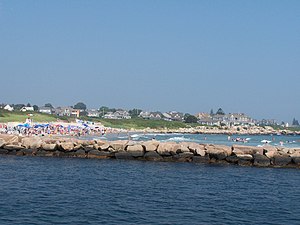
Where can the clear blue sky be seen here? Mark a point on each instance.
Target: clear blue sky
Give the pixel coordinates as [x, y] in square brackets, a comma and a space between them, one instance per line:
[190, 56]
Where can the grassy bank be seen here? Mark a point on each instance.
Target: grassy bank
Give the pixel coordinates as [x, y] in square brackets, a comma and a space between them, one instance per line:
[138, 123]
[135, 123]
[6, 116]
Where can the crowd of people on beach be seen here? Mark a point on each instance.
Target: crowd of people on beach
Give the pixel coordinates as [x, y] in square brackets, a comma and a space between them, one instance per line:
[30, 129]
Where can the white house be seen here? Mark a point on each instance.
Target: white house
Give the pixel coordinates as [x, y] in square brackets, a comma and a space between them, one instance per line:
[93, 113]
[46, 110]
[25, 109]
[8, 108]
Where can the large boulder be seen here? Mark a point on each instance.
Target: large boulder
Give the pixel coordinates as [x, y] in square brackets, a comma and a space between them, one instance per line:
[166, 149]
[123, 155]
[153, 156]
[184, 157]
[49, 147]
[79, 153]
[281, 160]
[245, 159]
[67, 146]
[296, 157]
[3, 151]
[242, 149]
[261, 160]
[11, 147]
[2, 142]
[201, 159]
[197, 149]
[150, 146]
[180, 148]
[104, 146]
[99, 154]
[10, 139]
[32, 142]
[219, 152]
[119, 145]
[135, 150]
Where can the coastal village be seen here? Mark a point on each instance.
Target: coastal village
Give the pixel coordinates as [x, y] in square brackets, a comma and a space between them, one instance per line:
[220, 118]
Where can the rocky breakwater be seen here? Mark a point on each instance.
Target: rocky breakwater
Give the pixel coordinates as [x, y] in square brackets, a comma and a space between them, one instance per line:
[268, 156]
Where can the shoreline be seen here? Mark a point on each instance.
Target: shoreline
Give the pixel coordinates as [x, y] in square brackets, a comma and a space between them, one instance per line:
[152, 150]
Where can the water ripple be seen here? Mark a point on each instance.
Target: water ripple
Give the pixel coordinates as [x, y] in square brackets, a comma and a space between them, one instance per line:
[79, 191]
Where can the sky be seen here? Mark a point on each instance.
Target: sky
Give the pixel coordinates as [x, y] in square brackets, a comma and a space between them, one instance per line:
[189, 56]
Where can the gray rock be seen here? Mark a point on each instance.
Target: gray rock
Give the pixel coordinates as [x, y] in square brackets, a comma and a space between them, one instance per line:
[3, 151]
[2, 142]
[123, 155]
[32, 142]
[166, 149]
[67, 146]
[80, 154]
[184, 157]
[232, 159]
[281, 160]
[261, 160]
[153, 156]
[95, 154]
[118, 145]
[13, 147]
[49, 147]
[201, 159]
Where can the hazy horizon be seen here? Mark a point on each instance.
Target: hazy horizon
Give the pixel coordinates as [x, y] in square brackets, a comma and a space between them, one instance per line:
[188, 56]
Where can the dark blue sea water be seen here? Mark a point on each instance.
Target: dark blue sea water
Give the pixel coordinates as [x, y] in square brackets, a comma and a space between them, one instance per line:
[37, 190]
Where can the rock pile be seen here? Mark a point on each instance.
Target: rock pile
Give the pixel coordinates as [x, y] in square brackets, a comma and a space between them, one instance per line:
[268, 156]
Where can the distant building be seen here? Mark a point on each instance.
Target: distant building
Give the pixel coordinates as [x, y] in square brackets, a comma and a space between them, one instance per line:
[46, 110]
[230, 119]
[155, 116]
[144, 115]
[120, 114]
[76, 112]
[26, 109]
[8, 108]
[63, 111]
[173, 116]
[93, 113]
[238, 119]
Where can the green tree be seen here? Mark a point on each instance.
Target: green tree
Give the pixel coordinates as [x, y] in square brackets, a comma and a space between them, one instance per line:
[80, 105]
[35, 107]
[134, 112]
[295, 122]
[211, 112]
[28, 105]
[188, 118]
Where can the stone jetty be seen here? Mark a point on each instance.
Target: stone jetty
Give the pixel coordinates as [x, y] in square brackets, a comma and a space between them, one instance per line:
[266, 156]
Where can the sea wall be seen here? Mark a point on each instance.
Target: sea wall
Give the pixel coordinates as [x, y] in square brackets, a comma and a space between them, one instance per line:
[267, 156]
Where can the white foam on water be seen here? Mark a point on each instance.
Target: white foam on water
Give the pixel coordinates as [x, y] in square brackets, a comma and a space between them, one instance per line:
[177, 139]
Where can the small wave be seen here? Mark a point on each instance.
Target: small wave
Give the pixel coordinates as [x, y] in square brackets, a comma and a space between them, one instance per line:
[178, 139]
[123, 137]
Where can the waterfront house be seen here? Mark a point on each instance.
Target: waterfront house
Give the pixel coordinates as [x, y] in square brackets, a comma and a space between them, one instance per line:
[47, 110]
[238, 119]
[63, 111]
[93, 113]
[173, 116]
[26, 109]
[76, 112]
[120, 114]
[155, 116]
[8, 108]
[144, 115]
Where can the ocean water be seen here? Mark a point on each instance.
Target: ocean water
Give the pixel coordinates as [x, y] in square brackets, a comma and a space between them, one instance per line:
[37, 190]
